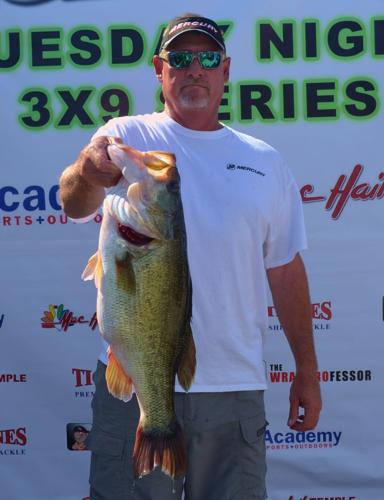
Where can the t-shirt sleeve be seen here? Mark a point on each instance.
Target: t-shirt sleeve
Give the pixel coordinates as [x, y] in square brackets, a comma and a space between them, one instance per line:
[286, 235]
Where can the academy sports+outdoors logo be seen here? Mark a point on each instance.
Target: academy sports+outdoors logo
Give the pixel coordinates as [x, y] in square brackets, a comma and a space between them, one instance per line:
[30, 206]
[300, 440]
[61, 319]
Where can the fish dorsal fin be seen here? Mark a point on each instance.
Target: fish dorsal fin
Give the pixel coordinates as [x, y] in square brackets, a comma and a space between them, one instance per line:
[93, 270]
[119, 383]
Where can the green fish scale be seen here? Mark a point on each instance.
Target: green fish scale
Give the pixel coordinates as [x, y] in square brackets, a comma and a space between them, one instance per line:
[146, 324]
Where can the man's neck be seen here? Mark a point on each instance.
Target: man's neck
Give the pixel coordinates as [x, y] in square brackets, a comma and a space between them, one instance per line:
[194, 119]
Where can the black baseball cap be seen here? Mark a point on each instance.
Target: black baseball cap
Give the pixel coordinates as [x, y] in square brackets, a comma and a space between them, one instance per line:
[79, 428]
[182, 24]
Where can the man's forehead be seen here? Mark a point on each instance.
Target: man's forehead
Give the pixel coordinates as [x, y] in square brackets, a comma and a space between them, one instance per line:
[184, 40]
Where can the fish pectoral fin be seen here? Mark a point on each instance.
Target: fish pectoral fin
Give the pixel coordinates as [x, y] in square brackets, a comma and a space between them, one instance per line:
[187, 366]
[119, 383]
[93, 270]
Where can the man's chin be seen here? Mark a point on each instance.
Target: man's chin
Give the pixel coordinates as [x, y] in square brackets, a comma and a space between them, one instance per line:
[189, 103]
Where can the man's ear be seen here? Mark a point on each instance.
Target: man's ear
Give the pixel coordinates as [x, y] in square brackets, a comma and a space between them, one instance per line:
[158, 65]
[227, 64]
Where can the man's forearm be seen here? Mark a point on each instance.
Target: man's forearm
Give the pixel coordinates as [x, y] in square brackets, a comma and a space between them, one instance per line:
[289, 287]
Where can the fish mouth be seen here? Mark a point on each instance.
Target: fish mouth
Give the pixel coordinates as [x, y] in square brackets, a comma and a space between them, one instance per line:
[131, 236]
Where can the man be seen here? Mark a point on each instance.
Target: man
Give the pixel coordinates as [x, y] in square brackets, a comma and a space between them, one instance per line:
[80, 434]
[242, 224]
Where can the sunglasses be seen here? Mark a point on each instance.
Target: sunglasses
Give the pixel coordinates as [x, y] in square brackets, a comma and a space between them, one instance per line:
[182, 59]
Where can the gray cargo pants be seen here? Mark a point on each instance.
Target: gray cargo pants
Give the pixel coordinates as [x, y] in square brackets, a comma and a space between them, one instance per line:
[224, 433]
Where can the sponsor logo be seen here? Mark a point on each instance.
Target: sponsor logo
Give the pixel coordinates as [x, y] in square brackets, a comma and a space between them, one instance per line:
[232, 166]
[299, 440]
[77, 436]
[82, 378]
[2, 316]
[311, 497]
[346, 188]
[61, 319]
[12, 441]
[278, 375]
[12, 377]
[197, 24]
[31, 205]
[321, 315]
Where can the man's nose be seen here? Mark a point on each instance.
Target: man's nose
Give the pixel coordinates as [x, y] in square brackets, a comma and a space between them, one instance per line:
[195, 68]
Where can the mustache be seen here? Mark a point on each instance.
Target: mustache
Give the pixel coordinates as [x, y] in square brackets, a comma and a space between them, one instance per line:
[196, 81]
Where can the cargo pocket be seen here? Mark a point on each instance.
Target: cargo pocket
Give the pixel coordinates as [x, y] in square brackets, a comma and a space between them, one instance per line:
[109, 471]
[252, 457]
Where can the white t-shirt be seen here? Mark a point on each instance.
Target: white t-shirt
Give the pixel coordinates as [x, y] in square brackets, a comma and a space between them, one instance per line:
[243, 214]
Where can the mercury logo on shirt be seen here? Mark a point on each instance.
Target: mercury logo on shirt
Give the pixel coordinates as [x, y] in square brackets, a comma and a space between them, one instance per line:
[232, 166]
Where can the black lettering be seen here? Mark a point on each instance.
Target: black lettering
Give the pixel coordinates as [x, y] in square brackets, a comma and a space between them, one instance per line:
[12, 50]
[310, 36]
[118, 36]
[289, 110]
[75, 107]
[269, 37]
[38, 101]
[225, 115]
[115, 100]
[378, 33]
[39, 47]
[356, 42]
[82, 40]
[314, 98]
[248, 101]
[358, 91]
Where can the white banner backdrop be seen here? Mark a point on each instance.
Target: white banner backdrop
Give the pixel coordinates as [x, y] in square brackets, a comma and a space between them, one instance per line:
[307, 77]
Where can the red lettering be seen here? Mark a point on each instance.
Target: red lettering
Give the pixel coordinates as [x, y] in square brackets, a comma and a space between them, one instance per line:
[271, 312]
[275, 376]
[28, 220]
[341, 193]
[80, 381]
[315, 311]
[93, 321]
[307, 190]
[21, 435]
[326, 310]
[6, 221]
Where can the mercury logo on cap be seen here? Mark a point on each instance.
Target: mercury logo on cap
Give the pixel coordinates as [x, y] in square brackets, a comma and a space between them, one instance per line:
[182, 24]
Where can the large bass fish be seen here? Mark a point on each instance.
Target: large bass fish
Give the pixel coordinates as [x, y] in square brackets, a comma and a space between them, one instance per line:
[144, 300]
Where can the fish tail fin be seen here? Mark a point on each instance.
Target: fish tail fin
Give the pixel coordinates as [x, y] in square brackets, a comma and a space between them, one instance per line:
[94, 269]
[119, 383]
[164, 449]
[187, 365]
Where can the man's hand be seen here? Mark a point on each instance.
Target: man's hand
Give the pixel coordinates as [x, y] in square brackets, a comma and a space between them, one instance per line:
[82, 184]
[95, 166]
[305, 393]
